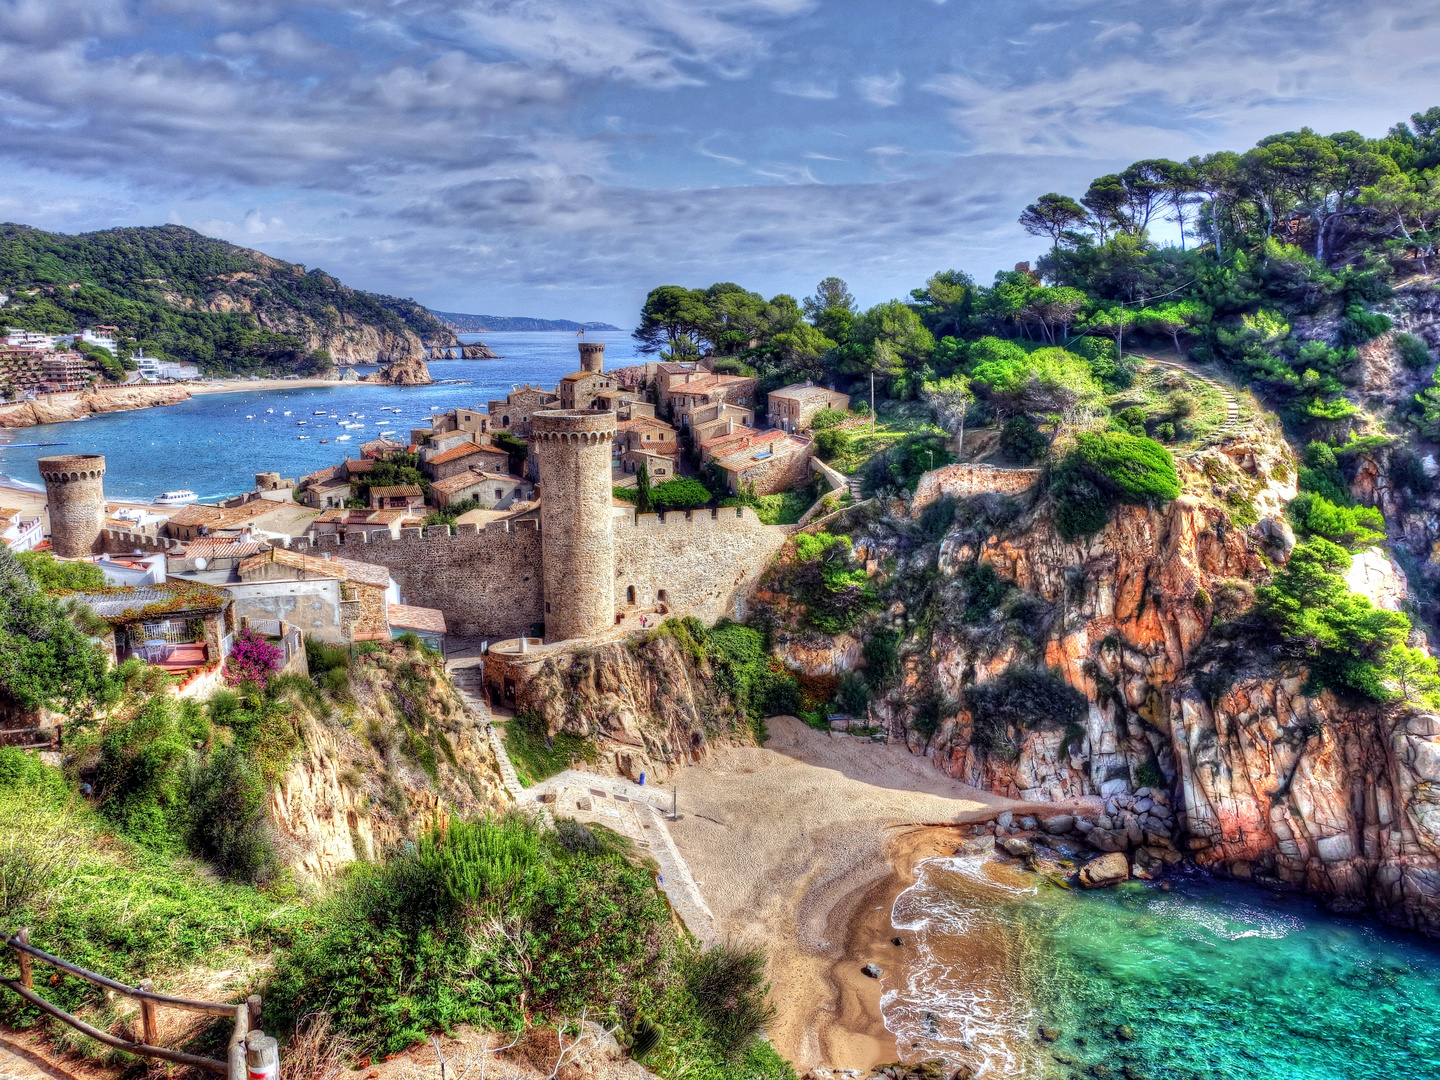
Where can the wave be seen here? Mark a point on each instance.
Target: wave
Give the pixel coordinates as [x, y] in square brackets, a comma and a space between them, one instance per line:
[1234, 924]
[955, 1001]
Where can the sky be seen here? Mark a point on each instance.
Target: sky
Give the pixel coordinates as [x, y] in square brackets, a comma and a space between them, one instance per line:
[558, 158]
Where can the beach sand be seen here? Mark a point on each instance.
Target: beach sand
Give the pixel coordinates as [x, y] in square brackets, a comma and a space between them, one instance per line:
[803, 846]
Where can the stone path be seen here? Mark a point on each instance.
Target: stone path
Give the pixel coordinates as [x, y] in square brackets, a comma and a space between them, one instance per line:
[465, 671]
[1232, 406]
[638, 813]
[18, 1062]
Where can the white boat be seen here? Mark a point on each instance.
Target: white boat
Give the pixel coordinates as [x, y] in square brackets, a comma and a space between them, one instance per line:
[302, 436]
[285, 413]
[318, 412]
[175, 498]
[341, 438]
[269, 410]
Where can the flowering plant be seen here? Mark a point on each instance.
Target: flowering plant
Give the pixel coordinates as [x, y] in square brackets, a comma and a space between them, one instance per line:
[253, 659]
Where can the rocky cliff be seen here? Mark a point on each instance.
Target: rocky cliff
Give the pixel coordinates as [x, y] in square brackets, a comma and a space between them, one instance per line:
[398, 751]
[649, 704]
[55, 408]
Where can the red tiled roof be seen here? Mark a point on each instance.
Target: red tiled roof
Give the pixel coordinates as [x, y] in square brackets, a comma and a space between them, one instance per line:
[395, 491]
[211, 547]
[405, 617]
[455, 453]
[333, 567]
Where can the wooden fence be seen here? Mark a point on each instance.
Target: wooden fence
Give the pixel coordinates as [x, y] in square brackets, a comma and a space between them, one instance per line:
[246, 1014]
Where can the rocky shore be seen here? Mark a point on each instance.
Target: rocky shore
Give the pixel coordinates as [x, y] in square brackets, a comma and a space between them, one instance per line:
[58, 408]
[409, 371]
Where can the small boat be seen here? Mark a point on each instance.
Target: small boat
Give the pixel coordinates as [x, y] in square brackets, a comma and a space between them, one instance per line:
[323, 441]
[285, 413]
[341, 438]
[269, 410]
[301, 423]
[249, 416]
[175, 498]
[318, 412]
[302, 436]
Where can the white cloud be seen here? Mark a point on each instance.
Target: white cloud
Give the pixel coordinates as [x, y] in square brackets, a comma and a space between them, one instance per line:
[882, 90]
[815, 91]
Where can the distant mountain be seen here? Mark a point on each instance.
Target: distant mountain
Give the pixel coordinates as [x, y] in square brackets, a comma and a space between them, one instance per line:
[183, 296]
[484, 324]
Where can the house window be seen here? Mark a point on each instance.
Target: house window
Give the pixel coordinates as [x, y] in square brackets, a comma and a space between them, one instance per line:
[505, 421]
[499, 493]
[630, 595]
[547, 607]
[663, 596]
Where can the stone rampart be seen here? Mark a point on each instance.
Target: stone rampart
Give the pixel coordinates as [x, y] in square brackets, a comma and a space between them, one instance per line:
[487, 581]
[964, 480]
[701, 563]
[126, 541]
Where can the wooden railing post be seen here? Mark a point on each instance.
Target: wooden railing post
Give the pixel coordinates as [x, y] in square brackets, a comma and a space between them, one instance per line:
[26, 980]
[252, 1004]
[147, 1015]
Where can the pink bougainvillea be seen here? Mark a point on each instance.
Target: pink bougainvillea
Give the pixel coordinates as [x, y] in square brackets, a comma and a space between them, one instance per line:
[253, 659]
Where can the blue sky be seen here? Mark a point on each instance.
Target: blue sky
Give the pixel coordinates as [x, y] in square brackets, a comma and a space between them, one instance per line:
[560, 157]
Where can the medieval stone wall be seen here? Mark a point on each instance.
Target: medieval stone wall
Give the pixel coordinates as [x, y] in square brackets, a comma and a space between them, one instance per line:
[964, 480]
[705, 562]
[486, 581]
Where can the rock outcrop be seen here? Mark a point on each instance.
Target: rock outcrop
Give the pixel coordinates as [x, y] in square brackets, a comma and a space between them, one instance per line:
[478, 350]
[647, 704]
[57, 408]
[362, 784]
[406, 371]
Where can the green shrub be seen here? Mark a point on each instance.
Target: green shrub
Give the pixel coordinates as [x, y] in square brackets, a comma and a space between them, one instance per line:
[828, 580]
[881, 652]
[828, 418]
[727, 985]
[985, 591]
[853, 694]
[229, 819]
[51, 574]
[680, 493]
[1352, 527]
[1321, 474]
[1148, 774]
[1021, 698]
[1413, 350]
[1022, 442]
[1165, 432]
[831, 442]
[1346, 638]
[1106, 468]
[536, 754]
[1360, 326]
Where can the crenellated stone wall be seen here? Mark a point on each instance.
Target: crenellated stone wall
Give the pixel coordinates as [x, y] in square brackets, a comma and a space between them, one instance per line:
[704, 561]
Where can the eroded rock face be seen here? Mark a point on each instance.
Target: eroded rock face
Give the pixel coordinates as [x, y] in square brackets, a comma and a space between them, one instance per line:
[57, 408]
[406, 371]
[649, 706]
[1342, 800]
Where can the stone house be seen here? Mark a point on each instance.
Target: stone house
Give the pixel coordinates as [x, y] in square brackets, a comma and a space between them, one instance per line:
[397, 497]
[462, 459]
[473, 420]
[178, 626]
[717, 422]
[792, 408]
[492, 490]
[645, 436]
[428, 624]
[380, 448]
[327, 488]
[698, 391]
[367, 522]
[364, 591]
[580, 388]
[625, 404]
[772, 461]
[513, 414]
[665, 375]
[197, 520]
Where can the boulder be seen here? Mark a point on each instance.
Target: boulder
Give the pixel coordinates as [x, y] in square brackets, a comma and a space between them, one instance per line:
[872, 970]
[1027, 823]
[1060, 824]
[1105, 871]
[1049, 1034]
[1004, 819]
[981, 845]
[1018, 847]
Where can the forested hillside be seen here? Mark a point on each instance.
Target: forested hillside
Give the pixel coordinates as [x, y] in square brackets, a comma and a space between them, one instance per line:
[183, 296]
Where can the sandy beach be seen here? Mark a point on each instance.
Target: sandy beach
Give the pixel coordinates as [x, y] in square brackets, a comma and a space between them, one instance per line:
[804, 845]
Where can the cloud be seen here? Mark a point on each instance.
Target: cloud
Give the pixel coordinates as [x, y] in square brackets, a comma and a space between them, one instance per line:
[803, 89]
[882, 90]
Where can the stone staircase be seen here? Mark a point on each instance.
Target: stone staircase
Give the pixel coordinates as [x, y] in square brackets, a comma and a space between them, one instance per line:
[466, 672]
[856, 486]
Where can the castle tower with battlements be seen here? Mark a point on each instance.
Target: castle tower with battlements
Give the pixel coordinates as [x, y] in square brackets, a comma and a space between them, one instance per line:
[74, 485]
[592, 357]
[573, 448]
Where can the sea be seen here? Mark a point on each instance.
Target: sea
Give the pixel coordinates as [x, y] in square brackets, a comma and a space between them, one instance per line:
[1192, 979]
[214, 444]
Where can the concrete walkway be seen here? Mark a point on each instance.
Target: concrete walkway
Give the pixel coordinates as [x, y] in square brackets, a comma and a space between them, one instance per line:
[640, 814]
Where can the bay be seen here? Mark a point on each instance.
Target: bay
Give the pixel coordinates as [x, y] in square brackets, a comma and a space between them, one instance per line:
[213, 444]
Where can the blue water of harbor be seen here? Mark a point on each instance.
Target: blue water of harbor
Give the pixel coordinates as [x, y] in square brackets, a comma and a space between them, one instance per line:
[214, 444]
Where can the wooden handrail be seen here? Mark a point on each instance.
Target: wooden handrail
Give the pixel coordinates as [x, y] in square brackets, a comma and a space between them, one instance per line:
[246, 1014]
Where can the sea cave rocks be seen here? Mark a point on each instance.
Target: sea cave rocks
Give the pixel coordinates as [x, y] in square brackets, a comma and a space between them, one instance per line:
[406, 371]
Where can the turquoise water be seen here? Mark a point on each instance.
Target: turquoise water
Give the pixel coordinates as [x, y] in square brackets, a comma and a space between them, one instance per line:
[1207, 980]
[207, 444]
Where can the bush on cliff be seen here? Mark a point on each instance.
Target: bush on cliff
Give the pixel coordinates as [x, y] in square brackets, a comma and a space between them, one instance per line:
[1352, 527]
[827, 579]
[1105, 469]
[1020, 699]
[1347, 640]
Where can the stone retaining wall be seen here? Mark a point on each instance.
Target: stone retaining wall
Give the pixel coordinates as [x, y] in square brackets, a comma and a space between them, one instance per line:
[964, 480]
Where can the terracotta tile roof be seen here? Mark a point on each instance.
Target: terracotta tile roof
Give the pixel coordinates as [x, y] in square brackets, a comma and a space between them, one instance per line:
[405, 617]
[396, 491]
[223, 517]
[459, 482]
[322, 474]
[801, 391]
[363, 465]
[743, 457]
[643, 423]
[222, 547]
[380, 446]
[362, 517]
[8, 513]
[332, 567]
[505, 477]
[455, 453]
[740, 431]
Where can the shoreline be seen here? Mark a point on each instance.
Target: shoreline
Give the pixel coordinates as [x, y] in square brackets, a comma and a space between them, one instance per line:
[802, 846]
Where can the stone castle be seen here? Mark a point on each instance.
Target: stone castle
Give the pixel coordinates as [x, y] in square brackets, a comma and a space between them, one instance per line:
[579, 565]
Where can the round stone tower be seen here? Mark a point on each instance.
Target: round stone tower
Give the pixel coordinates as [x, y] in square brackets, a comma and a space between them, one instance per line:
[577, 544]
[592, 357]
[74, 484]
